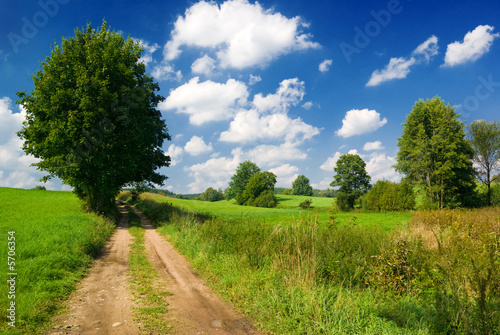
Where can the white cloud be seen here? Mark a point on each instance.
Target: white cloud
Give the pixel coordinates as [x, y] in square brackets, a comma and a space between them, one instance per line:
[196, 146]
[243, 34]
[204, 65]
[325, 65]
[267, 154]
[308, 105]
[166, 72]
[285, 175]
[175, 152]
[428, 49]
[369, 146]
[330, 162]
[475, 44]
[254, 80]
[357, 122]
[206, 101]
[268, 120]
[379, 166]
[289, 93]
[397, 68]
[147, 55]
[215, 172]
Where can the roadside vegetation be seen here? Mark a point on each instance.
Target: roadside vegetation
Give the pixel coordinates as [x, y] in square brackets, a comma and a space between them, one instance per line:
[55, 244]
[437, 274]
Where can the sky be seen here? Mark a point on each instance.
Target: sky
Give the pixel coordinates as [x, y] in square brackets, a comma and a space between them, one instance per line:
[288, 84]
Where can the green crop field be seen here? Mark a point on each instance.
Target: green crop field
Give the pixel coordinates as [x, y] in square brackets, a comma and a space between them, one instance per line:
[54, 242]
[288, 209]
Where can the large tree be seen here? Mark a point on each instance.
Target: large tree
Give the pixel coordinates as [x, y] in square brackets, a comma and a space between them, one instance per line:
[91, 118]
[260, 185]
[351, 178]
[301, 186]
[240, 178]
[484, 137]
[434, 154]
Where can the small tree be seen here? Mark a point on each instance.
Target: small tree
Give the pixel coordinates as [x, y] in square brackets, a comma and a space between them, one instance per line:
[352, 180]
[258, 183]
[138, 188]
[484, 137]
[301, 186]
[240, 179]
[91, 118]
[211, 195]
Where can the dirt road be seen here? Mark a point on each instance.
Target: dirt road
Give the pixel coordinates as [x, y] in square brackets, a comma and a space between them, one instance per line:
[102, 302]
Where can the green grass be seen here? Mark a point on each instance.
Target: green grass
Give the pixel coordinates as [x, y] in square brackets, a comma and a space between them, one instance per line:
[151, 306]
[55, 241]
[287, 209]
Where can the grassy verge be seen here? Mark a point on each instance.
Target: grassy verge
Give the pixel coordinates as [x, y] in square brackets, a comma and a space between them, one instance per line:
[55, 241]
[150, 309]
[437, 275]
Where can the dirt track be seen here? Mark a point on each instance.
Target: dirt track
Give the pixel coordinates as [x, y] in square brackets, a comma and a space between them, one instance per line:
[102, 302]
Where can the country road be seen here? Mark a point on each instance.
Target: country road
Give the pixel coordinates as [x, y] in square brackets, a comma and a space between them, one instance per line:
[102, 302]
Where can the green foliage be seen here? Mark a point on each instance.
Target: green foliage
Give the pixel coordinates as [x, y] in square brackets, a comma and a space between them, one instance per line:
[240, 179]
[91, 118]
[301, 186]
[305, 204]
[484, 138]
[266, 199]
[40, 188]
[258, 183]
[388, 196]
[55, 245]
[211, 195]
[328, 193]
[434, 154]
[287, 191]
[352, 180]
[138, 188]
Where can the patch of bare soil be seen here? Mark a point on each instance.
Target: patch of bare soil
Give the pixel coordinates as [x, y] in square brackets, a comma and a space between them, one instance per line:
[101, 304]
[195, 308]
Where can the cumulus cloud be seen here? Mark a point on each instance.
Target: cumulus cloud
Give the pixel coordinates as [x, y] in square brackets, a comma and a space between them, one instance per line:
[269, 120]
[196, 146]
[330, 162]
[166, 72]
[266, 154]
[285, 174]
[357, 122]
[325, 65]
[149, 49]
[379, 166]
[175, 152]
[207, 101]
[204, 65]
[475, 44]
[254, 80]
[242, 34]
[215, 172]
[371, 146]
[399, 67]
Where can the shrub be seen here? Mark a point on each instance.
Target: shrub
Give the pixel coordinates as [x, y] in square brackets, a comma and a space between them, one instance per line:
[305, 204]
[388, 196]
[211, 195]
[40, 188]
[258, 183]
[265, 199]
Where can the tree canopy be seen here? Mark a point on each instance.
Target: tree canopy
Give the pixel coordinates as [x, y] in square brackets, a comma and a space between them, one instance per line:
[351, 178]
[484, 137]
[91, 118]
[434, 154]
[259, 190]
[240, 179]
[301, 186]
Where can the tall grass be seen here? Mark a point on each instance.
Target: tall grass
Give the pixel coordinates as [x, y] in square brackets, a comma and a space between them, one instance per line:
[55, 244]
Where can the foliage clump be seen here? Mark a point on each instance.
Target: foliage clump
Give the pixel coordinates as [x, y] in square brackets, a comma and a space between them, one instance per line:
[351, 178]
[388, 196]
[211, 195]
[240, 179]
[301, 186]
[259, 191]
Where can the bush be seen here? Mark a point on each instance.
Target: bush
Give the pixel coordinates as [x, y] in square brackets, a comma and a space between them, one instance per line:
[211, 195]
[266, 199]
[258, 183]
[40, 188]
[305, 204]
[388, 196]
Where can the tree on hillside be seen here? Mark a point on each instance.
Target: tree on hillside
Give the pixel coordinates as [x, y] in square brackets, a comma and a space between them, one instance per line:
[240, 179]
[259, 191]
[351, 178]
[433, 153]
[301, 186]
[211, 195]
[484, 137]
[91, 118]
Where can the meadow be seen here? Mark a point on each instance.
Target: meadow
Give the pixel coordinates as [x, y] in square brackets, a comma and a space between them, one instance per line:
[435, 274]
[55, 242]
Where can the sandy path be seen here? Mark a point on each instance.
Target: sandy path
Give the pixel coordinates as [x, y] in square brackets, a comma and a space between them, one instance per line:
[102, 301]
[194, 306]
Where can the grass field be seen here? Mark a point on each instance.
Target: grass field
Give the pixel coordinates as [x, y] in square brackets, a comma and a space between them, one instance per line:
[55, 241]
[287, 209]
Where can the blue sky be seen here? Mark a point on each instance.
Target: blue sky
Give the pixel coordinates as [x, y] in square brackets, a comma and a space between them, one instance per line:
[290, 85]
